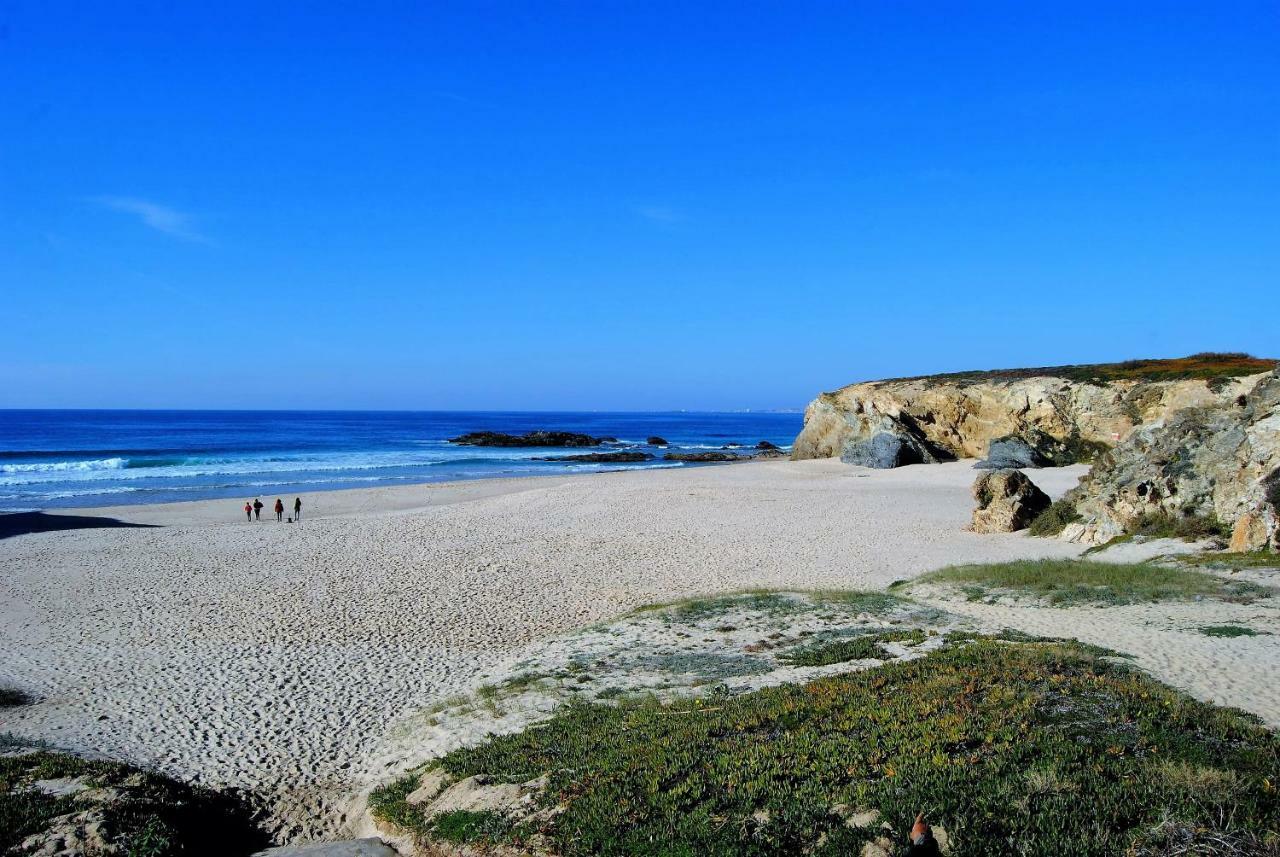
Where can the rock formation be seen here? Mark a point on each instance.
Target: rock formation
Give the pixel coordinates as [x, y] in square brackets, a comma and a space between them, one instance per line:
[601, 457]
[703, 456]
[1220, 462]
[533, 438]
[1038, 416]
[1007, 501]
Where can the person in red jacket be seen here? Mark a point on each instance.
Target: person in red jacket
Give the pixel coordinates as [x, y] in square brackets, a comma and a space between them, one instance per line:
[279, 509]
[248, 511]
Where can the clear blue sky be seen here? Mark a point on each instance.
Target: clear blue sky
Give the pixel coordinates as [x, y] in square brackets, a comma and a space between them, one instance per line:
[622, 205]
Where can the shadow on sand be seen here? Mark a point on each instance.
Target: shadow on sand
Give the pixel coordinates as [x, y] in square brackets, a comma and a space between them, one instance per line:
[21, 523]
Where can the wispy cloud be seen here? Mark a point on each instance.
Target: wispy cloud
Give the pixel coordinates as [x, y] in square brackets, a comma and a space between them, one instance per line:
[159, 217]
[659, 214]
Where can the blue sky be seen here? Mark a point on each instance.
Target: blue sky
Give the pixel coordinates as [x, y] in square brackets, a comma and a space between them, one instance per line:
[622, 205]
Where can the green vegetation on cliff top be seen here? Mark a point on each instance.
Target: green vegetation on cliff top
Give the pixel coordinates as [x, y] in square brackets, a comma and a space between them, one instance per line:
[1040, 748]
[1208, 366]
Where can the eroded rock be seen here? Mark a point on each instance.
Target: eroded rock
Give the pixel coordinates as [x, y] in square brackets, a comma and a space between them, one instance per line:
[960, 417]
[1216, 462]
[1007, 501]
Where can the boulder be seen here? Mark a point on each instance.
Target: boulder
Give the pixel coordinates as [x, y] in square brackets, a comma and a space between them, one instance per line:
[766, 446]
[703, 457]
[657, 441]
[533, 438]
[600, 457]
[1007, 501]
[1218, 462]
[1254, 531]
[888, 449]
[1011, 451]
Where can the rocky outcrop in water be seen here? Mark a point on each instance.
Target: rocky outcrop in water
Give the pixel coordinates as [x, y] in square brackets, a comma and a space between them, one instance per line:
[1007, 501]
[1033, 417]
[601, 457]
[703, 456]
[533, 438]
[1220, 462]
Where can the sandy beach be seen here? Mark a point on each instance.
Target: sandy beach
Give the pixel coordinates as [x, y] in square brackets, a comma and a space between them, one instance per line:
[278, 657]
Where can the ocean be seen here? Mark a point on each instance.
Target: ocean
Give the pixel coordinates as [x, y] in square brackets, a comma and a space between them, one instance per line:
[66, 458]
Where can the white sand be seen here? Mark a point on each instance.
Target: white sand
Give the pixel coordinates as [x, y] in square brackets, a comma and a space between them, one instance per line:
[278, 657]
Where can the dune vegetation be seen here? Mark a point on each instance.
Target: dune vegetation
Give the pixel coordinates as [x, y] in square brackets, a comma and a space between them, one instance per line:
[1031, 748]
[1065, 582]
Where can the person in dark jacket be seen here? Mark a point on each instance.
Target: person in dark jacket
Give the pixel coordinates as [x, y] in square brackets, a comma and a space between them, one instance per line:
[297, 508]
[257, 509]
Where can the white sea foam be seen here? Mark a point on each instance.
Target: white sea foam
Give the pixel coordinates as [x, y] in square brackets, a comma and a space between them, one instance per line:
[65, 466]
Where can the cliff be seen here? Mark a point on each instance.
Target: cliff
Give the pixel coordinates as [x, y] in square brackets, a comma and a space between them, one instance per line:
[1053, 415]
[1217, 463]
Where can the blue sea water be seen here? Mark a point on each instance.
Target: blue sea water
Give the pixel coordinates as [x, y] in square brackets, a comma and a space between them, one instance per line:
[51, 459]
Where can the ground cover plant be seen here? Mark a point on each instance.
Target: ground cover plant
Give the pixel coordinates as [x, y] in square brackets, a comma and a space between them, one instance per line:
[1014, 748]
[1067, 582]
[1228, 631]
[823, 653]
[147, 816]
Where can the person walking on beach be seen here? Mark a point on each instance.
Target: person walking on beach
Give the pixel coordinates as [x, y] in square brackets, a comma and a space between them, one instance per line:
[248, 511]
[279, 510]
[297, 508]
[257, 508]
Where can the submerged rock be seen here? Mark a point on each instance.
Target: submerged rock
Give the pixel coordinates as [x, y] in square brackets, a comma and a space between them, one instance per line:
[703, 456]
[601, 457]
[766, 446]
[533, 438]
[1007, 501]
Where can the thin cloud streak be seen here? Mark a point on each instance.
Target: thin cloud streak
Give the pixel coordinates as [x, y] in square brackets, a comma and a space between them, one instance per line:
[659, 214]
[161, 218]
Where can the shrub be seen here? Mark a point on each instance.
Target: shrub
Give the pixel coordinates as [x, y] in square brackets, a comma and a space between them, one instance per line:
[1054, 520]
[1188, 526]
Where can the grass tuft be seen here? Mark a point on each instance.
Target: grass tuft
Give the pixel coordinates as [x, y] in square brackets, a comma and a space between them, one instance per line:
[1065, 582]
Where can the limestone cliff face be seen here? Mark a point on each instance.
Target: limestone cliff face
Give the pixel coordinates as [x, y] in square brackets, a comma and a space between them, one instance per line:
[1222, 462]
[888, 423]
